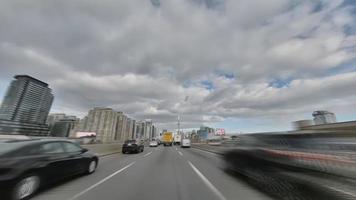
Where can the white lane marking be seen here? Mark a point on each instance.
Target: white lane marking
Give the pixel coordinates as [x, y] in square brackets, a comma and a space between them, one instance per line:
[100, 182]
[176, 149]
[147, 154]
[208, 183]
[180, 153]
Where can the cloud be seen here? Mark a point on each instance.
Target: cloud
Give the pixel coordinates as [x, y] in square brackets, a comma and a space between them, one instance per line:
[233, 58]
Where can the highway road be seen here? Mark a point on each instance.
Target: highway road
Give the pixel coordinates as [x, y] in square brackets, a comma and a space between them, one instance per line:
[157, 173]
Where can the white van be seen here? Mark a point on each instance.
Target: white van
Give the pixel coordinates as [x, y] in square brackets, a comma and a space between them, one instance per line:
[185, 143]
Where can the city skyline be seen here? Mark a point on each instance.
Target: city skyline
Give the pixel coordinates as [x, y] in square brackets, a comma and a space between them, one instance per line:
[244, 68]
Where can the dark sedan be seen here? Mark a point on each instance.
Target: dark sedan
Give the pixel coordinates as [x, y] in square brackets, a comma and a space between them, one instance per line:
[27, 165]
[132, 146]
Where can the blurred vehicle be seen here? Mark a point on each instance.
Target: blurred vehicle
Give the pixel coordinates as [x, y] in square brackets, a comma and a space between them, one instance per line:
[167, 139]
[27, 165]
[177, 139]
[215, 141]
[318, 161]
[132, 146]
[185, 143]
[153, 143]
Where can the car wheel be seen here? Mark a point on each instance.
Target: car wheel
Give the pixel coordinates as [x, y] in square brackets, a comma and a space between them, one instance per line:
[92, 166]
[25, 187]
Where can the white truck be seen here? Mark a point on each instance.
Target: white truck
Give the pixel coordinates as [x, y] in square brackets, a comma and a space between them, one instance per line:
[177, 139]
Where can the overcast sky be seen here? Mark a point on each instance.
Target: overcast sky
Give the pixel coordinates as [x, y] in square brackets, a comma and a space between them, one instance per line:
[246, 65]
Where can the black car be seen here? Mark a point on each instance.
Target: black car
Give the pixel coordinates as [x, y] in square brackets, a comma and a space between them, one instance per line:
[27, 165]
[132, 146]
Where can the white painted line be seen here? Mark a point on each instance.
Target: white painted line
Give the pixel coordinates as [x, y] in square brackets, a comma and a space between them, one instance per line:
[100, 182]
[180, 153]
[176, 149]
[147, 154]
[208, 183]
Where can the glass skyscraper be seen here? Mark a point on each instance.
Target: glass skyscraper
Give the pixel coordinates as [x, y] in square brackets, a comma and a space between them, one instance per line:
[27, 100]
[25, 107]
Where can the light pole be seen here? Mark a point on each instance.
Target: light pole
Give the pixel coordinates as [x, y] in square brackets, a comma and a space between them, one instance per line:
[178, 124]
[185, 100]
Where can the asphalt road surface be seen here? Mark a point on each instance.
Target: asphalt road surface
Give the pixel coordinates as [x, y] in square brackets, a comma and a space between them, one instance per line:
[158, 173]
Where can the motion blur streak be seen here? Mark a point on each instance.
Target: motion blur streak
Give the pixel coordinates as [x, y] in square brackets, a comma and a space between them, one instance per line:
[306, 164]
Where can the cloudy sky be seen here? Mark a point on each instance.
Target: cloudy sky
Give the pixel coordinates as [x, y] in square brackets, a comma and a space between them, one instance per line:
[246, 65]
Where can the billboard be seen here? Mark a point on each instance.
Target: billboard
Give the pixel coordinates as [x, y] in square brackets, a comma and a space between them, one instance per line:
[220, 132]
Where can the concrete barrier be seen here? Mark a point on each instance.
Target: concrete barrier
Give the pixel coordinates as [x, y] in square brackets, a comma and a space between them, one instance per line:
[104, 149]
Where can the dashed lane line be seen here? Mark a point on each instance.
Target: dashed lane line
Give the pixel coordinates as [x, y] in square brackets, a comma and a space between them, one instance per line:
[208, 183]
[147, 154]
[100, 182]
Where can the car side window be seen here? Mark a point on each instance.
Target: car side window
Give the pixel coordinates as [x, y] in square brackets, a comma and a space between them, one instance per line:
[33, 150]
[26, 151]
[71, 148]
[52, 148]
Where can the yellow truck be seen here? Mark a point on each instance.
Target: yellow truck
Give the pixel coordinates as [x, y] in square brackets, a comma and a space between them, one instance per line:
[167, 139]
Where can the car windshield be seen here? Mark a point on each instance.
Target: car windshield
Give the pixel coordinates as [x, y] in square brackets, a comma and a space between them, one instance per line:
[130, 141]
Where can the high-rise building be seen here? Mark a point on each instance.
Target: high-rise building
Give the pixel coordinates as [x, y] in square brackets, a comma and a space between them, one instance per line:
[137, 130]
[323, 117]
[27, 100]
[148, 129]
[140, 129]
[54, 117]
[62, 125]
[102, 121]
[130, 128]
[121, 130]
[154, 132]
[205, 132]
[25, 107]
[133, 133]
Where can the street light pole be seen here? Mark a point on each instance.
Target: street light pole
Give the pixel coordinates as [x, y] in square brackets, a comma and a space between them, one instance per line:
[178, 124]
[182, 136]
